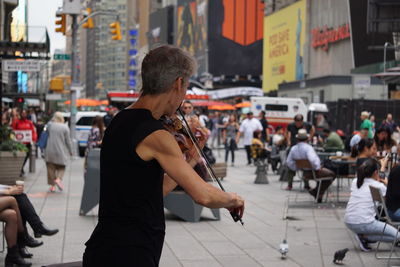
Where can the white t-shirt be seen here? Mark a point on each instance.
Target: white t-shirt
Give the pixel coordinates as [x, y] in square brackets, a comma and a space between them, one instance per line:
[248, 127]
[277, 138]
[203, 120]
[360, 208]
[355, 140]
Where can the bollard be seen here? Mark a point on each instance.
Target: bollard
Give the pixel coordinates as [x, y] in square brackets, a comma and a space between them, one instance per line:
[32, 159]
[261, 172]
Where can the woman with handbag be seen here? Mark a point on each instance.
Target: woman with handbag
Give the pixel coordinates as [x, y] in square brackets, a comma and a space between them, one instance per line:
[57, 150]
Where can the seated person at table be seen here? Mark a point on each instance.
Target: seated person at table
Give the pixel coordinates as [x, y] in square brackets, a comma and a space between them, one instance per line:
[393, 194]
[333, 142]
[358, 136]
[384, 141]
[360, 212]
[279, 138]
[258, 150]
[364, 150]
[304, 151]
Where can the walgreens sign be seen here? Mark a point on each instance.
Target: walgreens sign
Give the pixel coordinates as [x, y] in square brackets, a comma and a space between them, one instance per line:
[322, 37]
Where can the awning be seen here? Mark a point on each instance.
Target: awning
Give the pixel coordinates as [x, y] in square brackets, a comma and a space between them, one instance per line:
[32, 102]
[388, 77]
[391, 75]
[6, 100]
[84, 102]
[235, 91]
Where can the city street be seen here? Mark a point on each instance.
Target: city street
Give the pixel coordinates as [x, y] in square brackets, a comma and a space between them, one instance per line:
[314, 233]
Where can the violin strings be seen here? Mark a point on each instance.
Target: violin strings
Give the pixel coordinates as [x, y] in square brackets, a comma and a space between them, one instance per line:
[199, 151]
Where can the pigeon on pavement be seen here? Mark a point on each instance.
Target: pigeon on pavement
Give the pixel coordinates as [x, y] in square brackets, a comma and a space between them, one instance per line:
[339, 256]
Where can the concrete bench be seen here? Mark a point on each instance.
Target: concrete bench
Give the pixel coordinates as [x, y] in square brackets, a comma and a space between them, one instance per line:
[182, 205]
[220, 170]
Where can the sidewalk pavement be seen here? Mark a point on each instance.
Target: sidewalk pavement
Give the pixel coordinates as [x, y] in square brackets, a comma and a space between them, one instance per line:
[314, 235]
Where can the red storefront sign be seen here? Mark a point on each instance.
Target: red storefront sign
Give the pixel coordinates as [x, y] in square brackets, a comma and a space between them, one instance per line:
[322, 37]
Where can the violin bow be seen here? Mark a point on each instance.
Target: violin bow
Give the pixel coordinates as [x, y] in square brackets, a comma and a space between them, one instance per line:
[210, 170]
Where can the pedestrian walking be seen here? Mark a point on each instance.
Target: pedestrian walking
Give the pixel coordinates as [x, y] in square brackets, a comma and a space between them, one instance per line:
[23, 124]
[247, 129]
[264, 123]
[58, 149]
[140, 163]
[229, 138]
[366, 123]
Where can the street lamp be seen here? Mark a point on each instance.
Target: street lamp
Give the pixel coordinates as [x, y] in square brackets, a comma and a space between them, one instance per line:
[384, 55]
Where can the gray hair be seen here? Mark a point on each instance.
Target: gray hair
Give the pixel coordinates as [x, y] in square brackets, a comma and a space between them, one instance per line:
[162, 66]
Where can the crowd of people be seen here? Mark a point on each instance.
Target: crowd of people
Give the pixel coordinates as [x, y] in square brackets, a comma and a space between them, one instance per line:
[302, 140]
[156, 153]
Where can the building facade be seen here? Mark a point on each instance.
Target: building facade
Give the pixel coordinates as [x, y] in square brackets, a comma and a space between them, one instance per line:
[312, 47]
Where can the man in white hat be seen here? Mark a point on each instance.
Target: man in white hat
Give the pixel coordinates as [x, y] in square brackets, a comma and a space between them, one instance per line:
[366, 123]
[302, 150]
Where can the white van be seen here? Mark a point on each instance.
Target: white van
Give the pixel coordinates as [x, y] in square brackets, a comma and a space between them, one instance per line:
[280, 111]
[84, 121]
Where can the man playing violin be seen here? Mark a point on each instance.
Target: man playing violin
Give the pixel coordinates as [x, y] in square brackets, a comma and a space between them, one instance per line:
[140, 163]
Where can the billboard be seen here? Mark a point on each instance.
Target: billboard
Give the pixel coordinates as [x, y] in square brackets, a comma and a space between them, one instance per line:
[18, 24]
[191, 33]
[235, 37]
[161, 27]
[284, 42]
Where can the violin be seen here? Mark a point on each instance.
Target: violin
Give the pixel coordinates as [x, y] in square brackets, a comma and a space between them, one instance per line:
[174, 125]
[191, 146]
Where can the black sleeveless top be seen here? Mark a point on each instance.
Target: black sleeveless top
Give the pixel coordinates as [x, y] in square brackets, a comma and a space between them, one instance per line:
[131, 211]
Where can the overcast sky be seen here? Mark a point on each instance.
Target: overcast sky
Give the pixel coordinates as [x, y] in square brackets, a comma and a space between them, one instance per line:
[43, 13]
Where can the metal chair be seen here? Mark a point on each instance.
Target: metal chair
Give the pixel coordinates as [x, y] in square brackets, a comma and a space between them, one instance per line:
[382, 215]
[303, 165]
[3, 248]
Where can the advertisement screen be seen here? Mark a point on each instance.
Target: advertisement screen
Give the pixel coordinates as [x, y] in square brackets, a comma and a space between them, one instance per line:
[191, 33]
[284, 39]
[161, 27]
[235, 34]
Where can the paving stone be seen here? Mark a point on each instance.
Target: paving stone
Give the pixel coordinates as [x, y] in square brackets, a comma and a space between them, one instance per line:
[316, 232]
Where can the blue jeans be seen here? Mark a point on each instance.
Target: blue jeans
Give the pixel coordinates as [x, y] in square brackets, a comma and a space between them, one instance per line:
[373, 231]
[395, 216]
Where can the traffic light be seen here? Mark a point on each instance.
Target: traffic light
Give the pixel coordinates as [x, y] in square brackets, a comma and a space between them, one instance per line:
[20, 101]
[89, 24]
[115, 29]
[62, 21]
